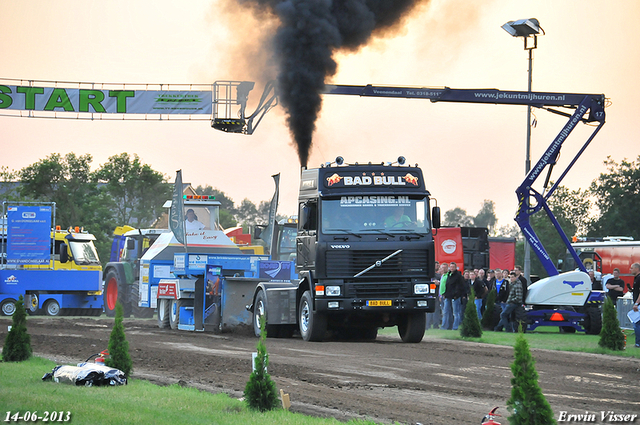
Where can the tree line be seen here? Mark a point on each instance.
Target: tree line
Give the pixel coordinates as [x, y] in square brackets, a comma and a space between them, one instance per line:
[609, 206]
[122, 191]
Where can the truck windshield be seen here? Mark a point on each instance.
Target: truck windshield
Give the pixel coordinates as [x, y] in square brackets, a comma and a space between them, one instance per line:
[375, 213]
[201, 217]
[84, 252]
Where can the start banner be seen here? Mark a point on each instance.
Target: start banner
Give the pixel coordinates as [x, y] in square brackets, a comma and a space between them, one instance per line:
[101, 101]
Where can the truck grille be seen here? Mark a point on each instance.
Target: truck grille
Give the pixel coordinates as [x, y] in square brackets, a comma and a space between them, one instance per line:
[377, 290]
[344, 264]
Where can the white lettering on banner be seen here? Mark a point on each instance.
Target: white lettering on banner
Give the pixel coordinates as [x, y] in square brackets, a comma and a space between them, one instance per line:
[375, 201]
[376, 181]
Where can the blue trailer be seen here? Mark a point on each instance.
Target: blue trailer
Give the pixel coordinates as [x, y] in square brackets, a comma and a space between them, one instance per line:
[210, 292]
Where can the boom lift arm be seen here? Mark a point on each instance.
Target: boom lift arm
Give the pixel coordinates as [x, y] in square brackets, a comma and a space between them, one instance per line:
[230, 98]
[587, 108]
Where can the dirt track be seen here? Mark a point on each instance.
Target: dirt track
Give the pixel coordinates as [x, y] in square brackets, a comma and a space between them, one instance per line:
[441, 382]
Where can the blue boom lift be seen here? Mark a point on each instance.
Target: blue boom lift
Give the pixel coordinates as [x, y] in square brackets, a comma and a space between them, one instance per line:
[566, 299]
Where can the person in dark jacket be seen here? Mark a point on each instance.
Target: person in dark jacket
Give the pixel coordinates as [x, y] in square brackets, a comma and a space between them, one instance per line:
[615, 286]
[514, 301]
[455, 291]
[523, 280]
[480, 291]
[502, 288]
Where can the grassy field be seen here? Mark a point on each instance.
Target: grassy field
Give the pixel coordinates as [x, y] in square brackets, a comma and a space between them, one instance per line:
[143, 402]
[139, 402]
[543, 337]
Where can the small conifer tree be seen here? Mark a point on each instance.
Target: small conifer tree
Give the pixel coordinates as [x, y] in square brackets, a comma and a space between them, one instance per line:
[260, 392]
[17, 344]
[527, 403]
[611, 335]
[470, 322]
[488, 321]
[119, 346]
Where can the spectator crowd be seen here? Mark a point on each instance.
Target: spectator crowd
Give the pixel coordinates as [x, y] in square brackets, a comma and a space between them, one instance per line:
[455, 290]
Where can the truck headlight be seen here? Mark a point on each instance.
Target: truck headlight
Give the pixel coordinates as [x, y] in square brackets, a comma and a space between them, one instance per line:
[421, 288]
[332, 291]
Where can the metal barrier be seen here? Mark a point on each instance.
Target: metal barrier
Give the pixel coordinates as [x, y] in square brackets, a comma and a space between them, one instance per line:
[624, 306]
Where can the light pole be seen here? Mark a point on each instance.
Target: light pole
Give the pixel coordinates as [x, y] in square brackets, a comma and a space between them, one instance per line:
[528, 29]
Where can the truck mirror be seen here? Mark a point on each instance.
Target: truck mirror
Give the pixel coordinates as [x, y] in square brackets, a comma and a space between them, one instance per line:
[435, 217]
[64, 255]
[131, 244]
[304, 217]
[257, 231]
[559, 264]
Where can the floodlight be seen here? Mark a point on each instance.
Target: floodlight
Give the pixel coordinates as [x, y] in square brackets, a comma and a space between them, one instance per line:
[523, 27]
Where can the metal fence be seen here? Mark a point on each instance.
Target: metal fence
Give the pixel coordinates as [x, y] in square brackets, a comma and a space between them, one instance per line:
[624, 306]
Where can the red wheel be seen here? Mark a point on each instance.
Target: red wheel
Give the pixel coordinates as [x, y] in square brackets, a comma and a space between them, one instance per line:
[110, 295]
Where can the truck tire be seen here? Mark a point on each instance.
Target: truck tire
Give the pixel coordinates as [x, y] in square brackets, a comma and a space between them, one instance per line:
[593, 321]
[8, 307]
[32, 308]
[411, 327]
[163, 313]
[134, 296]
[52, 308]
[313, 326]
[259, 310]
[174, 311]
[114, 291]
[520, 318]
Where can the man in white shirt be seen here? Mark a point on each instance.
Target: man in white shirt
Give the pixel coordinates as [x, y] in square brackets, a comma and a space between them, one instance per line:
[192, 223]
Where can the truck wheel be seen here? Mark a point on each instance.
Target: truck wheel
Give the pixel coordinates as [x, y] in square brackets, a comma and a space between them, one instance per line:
[32, 308]
[115, 290]
[8, 307]
[411, 327]
[313, 326]
[593, 321]
[521, 319]
[110, 294]
[163, 313]
[52, 308]
[174, 311]
[136, 310]
[259, 310]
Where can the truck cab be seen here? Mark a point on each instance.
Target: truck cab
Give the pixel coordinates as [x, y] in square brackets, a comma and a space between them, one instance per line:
[364, 250]
[364, 255]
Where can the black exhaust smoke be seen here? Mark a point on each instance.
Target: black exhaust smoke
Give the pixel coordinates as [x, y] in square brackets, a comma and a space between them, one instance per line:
[310, 32]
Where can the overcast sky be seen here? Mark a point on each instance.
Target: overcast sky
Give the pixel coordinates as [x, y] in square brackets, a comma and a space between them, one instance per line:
[468, 152]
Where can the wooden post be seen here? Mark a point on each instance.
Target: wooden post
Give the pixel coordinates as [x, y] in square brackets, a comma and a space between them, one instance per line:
[286, 402]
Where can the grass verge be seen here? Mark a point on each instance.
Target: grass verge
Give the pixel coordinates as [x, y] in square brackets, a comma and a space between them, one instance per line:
[139, 402]
[544, 337]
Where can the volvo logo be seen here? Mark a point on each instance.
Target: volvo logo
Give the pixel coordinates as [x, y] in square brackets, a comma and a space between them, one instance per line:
[340, 246]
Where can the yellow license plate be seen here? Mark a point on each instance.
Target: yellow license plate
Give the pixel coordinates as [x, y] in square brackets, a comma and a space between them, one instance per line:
[379, 303]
